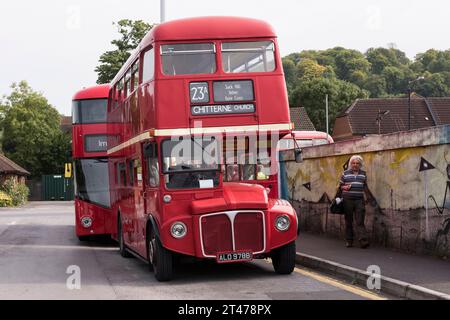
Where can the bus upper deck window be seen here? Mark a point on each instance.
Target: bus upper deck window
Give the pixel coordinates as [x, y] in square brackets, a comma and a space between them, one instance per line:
[180, 59]
[258, 56]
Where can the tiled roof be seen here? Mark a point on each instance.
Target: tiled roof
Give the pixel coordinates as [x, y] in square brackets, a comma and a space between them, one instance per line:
[441, 109]
[300, 118]
[66, 121]
[8, 166]
[363, 114]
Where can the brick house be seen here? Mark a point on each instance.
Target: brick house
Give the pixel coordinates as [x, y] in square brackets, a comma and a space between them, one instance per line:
[10, 169]
[388, 115]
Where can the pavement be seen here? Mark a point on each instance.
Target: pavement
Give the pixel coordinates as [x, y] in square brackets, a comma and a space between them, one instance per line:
[405, 275]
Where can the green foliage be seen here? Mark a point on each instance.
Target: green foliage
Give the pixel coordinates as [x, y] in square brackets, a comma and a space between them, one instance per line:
[17, 192]
[32, 136]
[5, 200]
[132, 32]
[346, 74]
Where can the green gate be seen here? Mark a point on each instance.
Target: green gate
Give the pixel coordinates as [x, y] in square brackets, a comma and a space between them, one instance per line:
[57, 188]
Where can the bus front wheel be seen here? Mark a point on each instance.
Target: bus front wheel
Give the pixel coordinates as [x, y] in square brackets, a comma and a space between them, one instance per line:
[283, 259]
[160, 258]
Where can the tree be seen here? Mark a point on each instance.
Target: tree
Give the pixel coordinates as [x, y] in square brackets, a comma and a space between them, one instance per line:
[309, 69]
[289, 73]
[310, 94]
[380, 58]
[132, 33]
[376, 85]
[434, 85]
[32, 136]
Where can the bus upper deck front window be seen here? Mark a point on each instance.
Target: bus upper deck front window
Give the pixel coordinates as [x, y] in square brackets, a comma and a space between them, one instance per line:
[181, 59]
[258, 56]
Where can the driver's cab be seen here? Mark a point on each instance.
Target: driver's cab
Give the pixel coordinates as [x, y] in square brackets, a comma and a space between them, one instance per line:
[248, 168]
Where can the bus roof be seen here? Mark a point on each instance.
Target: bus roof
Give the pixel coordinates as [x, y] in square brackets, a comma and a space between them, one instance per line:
[95, 92]
[310, 135]
[201, 28]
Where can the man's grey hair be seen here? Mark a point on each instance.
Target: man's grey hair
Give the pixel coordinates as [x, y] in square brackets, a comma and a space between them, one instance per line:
[357, 158]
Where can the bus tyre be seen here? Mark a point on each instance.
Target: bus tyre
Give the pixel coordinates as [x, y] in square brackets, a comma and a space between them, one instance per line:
[283, 259]
[122, 247]
[161, 259]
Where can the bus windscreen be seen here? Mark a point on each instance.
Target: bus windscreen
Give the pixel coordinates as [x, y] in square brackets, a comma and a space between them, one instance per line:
[92, 181]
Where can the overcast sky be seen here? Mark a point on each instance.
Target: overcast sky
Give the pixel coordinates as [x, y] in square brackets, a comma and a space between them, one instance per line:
[55, 44]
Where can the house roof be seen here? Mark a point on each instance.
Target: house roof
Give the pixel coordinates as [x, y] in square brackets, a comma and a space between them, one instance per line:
[66, 120]
[300, 118]
[8, 166]
[425, 112]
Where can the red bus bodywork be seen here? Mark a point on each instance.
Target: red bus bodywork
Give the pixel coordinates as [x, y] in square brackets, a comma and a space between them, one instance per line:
[221, 219]
[89, 152]
[304, 139]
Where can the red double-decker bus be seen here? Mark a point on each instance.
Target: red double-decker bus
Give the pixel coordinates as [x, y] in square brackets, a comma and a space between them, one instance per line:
[201, 104]
[90, 162]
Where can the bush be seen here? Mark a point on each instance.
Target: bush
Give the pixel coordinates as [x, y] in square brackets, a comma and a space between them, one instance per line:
[17, 192]
[5, 200]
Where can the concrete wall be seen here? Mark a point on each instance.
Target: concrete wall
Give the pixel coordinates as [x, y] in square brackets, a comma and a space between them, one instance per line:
[409, 175]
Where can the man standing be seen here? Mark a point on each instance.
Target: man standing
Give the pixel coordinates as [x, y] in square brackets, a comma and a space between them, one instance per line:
[353, 185]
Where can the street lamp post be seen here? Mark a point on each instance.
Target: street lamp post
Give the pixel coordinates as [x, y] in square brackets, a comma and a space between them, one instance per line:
[163, 11]
[410, 83]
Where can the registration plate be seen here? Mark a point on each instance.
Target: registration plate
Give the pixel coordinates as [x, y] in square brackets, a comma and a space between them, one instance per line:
[227, 257]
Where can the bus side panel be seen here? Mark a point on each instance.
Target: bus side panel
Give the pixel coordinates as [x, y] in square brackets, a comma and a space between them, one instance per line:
[96, 213]
[147, 106]
[171, 104]
[272, 100]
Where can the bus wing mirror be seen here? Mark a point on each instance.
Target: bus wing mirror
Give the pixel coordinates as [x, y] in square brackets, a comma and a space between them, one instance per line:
[298, 155]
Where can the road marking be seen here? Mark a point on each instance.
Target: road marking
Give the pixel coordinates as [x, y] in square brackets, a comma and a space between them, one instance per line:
[335, 283]
[338, 284]
[12, 223]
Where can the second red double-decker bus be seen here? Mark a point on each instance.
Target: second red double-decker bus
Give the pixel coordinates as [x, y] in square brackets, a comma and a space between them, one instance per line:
[89, 151]
[201, 104]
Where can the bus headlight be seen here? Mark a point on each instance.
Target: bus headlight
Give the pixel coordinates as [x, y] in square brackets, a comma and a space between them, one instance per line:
[178, 230]
[282, 223]
[167, 198]
[86, 222]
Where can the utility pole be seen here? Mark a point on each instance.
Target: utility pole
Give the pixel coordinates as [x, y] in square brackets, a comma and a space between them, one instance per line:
[409, 107]
[163, 10]
[326, 111]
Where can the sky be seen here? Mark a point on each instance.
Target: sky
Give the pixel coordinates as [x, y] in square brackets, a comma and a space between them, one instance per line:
[55, 44]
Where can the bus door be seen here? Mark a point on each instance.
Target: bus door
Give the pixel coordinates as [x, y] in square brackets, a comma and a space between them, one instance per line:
[151, 179]
[137, 204]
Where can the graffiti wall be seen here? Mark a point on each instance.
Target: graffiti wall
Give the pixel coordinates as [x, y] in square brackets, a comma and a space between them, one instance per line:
[408, 174]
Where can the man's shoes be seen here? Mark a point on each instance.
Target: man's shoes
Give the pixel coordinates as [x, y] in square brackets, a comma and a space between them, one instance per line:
[349, 244]
[364, 244]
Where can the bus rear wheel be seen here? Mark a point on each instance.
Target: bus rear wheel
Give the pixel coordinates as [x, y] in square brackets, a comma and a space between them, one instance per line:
[160, 258]
[283, 259]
